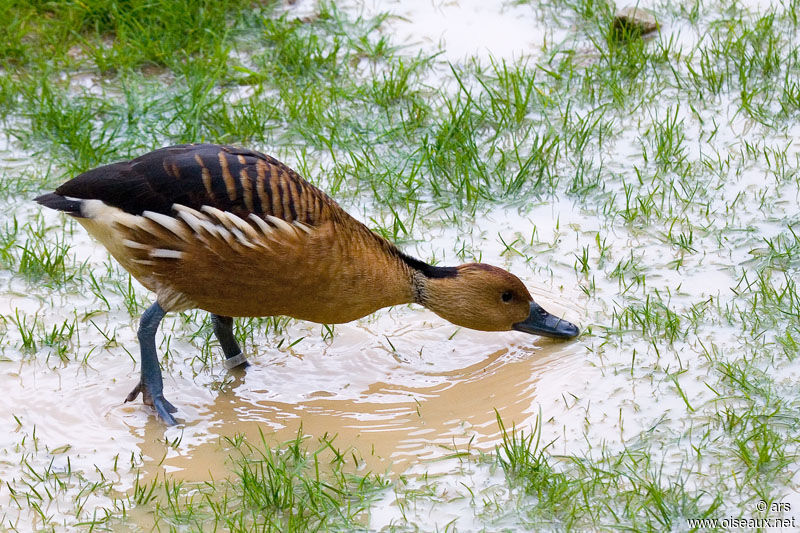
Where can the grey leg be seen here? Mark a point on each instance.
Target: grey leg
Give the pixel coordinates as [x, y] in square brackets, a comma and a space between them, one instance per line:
[223, 329]
[151, 385]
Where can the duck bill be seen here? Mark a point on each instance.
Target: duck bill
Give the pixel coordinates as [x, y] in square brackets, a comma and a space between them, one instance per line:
[540, 322]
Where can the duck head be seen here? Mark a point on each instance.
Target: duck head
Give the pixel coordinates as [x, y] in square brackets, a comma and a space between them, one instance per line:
[488, 298]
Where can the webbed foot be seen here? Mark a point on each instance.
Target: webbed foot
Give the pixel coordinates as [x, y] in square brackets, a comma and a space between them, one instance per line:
[157, 402]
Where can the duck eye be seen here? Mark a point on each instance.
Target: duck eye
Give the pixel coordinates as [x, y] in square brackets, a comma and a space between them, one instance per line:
[506, 296]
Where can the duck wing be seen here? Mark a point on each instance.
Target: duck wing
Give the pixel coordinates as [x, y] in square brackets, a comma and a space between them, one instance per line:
[231, 179]
[225, 229]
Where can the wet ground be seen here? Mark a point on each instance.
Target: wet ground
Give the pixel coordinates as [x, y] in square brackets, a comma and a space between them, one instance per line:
[434, 392]
[402, 387]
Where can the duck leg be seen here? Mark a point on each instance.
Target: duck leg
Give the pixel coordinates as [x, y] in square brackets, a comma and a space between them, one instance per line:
[223, 329]
[150, 384]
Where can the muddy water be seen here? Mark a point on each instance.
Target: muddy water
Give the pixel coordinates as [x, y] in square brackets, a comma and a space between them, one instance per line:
[394, 407]
[400, 386]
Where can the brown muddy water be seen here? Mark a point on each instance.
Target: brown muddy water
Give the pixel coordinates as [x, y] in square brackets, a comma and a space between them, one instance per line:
[436, 390]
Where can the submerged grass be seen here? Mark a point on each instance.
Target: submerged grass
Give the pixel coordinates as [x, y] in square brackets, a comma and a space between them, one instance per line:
[288, 488]
[675, 149]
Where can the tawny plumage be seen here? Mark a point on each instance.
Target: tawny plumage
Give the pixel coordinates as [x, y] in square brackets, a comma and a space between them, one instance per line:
[238, 233]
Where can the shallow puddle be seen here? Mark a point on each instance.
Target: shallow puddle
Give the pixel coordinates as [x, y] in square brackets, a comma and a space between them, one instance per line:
[398, 387]
[395, 408]
[401, 390]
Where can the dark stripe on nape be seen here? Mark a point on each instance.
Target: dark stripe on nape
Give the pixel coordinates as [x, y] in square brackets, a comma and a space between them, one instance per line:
[122, 185]
[429, 271]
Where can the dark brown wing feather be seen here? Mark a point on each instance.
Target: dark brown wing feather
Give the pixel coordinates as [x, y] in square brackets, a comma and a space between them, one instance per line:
[231, 179]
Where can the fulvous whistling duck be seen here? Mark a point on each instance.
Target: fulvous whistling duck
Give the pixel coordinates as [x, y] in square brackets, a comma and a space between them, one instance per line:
[238, 233]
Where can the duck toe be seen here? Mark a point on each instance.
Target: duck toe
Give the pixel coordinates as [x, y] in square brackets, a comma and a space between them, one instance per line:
[157, 402]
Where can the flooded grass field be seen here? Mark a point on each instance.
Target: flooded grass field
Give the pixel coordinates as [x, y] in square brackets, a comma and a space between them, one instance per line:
[645, 187]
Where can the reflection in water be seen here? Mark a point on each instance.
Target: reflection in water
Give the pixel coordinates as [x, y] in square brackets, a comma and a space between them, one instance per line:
[431, 395]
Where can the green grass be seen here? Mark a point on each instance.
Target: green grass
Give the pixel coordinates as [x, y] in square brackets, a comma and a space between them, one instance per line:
[633, 485]
[291, 488]
[675, 155]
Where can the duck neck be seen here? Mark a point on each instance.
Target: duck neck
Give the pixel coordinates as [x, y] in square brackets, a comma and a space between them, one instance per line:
[425, 278]
[412, 280]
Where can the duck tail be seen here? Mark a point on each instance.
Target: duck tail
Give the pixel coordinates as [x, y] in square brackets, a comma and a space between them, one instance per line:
[71, 206]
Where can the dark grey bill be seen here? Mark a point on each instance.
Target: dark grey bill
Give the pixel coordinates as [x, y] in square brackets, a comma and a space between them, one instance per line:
[540, 322]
